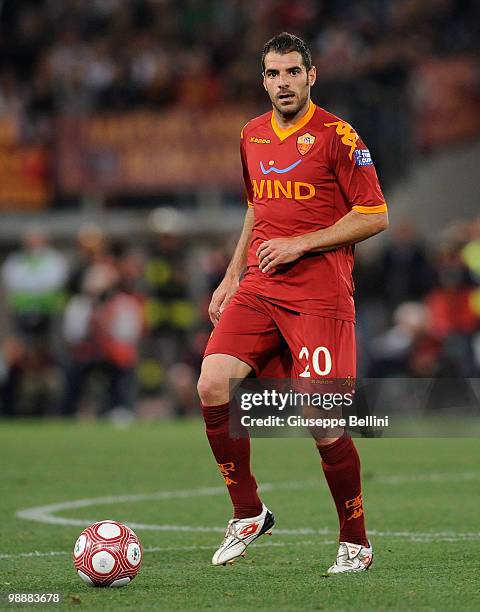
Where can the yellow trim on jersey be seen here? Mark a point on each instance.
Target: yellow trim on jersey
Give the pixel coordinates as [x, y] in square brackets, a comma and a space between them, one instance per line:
[381, 208]
[241, 133]
[250, 205]
[285, 133]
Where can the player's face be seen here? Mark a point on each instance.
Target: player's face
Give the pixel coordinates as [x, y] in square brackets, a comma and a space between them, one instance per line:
[287, 82]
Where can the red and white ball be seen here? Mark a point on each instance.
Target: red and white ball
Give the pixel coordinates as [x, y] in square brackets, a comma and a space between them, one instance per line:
[107, 554]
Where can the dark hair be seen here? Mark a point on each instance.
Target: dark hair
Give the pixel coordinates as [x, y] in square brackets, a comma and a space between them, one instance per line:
[285, 43]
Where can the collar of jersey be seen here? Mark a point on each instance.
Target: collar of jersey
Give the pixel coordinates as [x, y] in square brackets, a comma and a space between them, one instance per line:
[283, 133]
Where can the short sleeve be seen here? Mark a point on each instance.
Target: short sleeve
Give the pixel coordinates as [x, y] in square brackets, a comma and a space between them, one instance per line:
[354, 169]
[246, 175]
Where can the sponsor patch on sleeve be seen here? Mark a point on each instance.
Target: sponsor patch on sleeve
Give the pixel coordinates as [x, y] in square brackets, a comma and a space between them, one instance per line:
[362, 157]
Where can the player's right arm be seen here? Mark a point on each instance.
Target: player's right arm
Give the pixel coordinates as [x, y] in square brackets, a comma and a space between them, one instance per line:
[229, 285]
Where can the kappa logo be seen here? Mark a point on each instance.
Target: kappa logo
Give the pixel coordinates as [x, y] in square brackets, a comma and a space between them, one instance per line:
[349, 382]
[260, 140]
[355, 504]
[305, 142]
[225, 469]
[348, 134]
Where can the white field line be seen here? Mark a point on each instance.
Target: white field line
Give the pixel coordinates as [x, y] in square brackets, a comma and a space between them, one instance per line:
[45, 514]
[443, 477]
[155, 549]
[193, 548]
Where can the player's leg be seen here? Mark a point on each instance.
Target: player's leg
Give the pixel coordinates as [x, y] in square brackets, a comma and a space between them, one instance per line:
[243, 340]
[231, 454]
[325, 348]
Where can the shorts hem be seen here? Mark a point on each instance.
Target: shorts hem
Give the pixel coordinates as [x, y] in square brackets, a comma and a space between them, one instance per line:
[249, 362]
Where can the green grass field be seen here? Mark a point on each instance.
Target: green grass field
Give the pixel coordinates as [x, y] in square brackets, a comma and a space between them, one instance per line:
[422, 500]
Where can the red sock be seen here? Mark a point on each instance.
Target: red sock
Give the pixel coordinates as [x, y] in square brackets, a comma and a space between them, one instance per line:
[233, 458]
[341, 466]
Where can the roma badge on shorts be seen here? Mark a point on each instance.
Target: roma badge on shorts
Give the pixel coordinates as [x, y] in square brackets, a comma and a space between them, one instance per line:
[305, 142]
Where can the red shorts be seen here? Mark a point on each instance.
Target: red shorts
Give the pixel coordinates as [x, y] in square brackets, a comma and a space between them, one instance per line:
[281, 343]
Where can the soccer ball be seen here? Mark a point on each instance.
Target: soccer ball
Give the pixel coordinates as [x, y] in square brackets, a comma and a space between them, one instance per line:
[107, 554]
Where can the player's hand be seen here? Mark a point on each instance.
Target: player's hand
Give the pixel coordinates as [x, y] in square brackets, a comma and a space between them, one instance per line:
[221, 297]
[277, 251]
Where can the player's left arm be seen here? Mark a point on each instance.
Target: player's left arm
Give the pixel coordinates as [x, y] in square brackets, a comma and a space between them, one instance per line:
[350, 229]
[356, 176]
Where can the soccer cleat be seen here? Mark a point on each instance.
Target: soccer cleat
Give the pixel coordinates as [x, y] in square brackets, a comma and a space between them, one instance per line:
[352, 558]
[240, 533]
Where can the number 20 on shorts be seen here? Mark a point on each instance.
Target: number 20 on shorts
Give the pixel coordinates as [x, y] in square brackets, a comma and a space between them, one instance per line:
[320, 356]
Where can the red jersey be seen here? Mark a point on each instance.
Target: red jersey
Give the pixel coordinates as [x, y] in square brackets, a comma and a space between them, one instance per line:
[299, 180]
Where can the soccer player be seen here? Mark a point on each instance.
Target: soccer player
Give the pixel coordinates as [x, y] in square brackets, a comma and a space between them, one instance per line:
[312, 194]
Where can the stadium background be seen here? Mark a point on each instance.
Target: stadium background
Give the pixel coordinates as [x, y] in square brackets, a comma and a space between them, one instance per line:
[119, 126]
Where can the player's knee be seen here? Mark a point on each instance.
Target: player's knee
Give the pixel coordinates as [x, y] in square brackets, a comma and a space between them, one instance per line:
[212, 390]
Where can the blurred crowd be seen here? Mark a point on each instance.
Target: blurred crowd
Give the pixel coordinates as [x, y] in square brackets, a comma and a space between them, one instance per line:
[101, 323]
[118, 330]
[77, 57]
[419, 305]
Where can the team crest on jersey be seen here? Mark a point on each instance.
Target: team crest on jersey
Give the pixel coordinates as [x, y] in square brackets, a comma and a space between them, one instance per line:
[305, 142]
